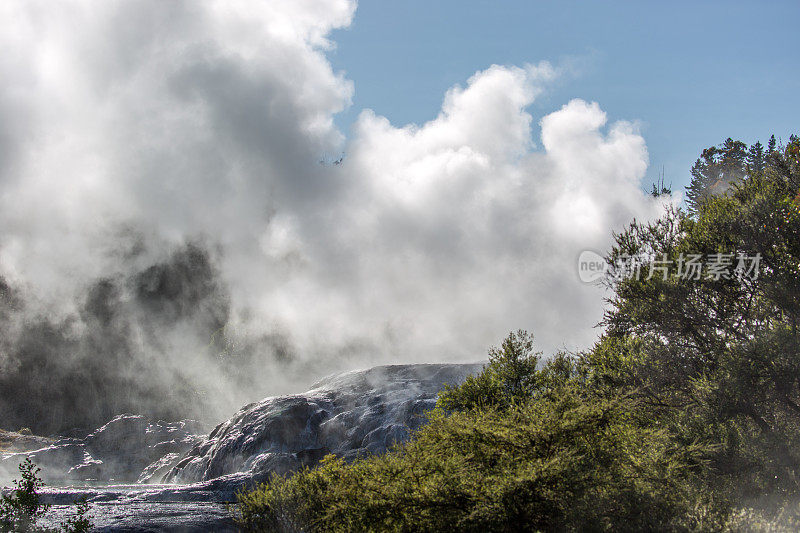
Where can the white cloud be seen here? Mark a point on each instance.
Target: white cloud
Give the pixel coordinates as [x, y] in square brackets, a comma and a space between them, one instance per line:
[185, 119]
[464, 230]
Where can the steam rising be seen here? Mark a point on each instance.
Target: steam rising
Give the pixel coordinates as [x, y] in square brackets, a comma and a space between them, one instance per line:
[171, 245]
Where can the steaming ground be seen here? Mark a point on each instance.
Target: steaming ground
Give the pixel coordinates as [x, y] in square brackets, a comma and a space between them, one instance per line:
[171, 245]
[121, 350]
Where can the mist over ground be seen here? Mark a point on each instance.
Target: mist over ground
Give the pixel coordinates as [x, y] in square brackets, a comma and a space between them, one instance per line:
[183, 229]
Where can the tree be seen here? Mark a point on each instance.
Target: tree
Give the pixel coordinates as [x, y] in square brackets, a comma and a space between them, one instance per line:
[22, 509]
[720, 356]
[715, 171]
[509, 378]
[755, 159]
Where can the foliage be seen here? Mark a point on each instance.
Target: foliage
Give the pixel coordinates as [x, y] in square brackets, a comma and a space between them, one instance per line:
[715, 171]
[563, 463]
[720, 358]
[546, 453]
[510, 377]
[80, 522]
[22, 509]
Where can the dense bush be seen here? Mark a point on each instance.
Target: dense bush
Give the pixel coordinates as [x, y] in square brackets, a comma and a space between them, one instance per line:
[560, 463]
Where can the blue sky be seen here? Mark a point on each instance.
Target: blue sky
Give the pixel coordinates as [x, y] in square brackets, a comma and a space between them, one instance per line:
[691, 73]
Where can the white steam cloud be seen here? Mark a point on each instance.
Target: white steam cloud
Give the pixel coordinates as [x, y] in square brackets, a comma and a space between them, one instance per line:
[128, 128]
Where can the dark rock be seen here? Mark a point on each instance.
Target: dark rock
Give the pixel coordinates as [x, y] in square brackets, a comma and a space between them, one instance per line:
[351, 415]
[121, 451]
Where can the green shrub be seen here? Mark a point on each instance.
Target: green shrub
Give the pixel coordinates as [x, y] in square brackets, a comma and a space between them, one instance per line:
[510, 378]
[565, 463]
[22, 509]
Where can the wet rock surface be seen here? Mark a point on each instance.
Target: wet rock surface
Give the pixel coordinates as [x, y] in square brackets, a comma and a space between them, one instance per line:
[121, 450]
[137, 508]
[352, 414]
[194, 478]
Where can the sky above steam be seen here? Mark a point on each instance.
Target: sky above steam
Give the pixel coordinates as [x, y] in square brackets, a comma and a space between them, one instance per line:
[690, 73]
[143, 124]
